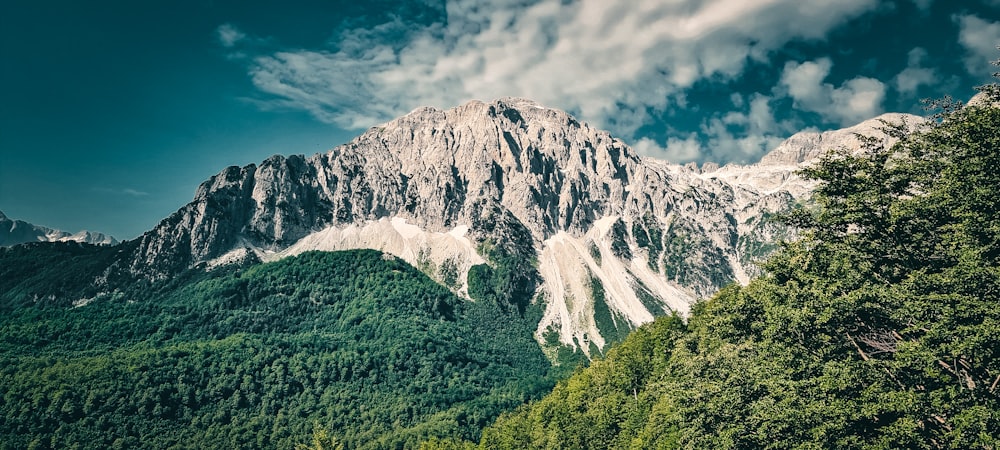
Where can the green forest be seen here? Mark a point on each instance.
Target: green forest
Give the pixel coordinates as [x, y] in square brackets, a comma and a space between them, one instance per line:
[878, 329]
[357, 343]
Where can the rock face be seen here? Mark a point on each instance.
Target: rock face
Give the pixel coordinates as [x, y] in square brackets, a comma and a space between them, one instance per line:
[618, 238]
[13, 232]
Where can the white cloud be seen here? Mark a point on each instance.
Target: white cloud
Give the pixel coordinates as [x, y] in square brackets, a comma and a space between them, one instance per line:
[737, 99]
[745, 137]
[121, 191]
[980, 39]
[855, 100]
[925, 5]
[229, 35]
[677, 150]
[735, 136]
[914, 75]
[135, 192]
[334, 89]
[608, 63]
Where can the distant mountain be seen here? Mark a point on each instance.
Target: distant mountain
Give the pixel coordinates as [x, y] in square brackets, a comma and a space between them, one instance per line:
[13, 232]
[613, 239]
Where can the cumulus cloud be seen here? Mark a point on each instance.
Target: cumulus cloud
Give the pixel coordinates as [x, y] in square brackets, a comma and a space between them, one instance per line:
[914, 75]
[743, 135]
[980, 39]
[610, 64]
[229, 35]
[854, 101]
[677, 149]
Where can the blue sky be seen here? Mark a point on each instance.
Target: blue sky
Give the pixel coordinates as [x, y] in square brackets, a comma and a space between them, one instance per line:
[112, 112]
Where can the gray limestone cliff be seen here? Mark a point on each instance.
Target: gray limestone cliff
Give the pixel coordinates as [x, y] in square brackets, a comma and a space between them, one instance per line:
[429, 187]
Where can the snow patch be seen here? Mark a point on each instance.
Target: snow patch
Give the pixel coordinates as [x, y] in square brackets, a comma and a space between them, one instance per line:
[459, 231]
[566, 265]
[604, 224]
[423, 249]
[404, 229]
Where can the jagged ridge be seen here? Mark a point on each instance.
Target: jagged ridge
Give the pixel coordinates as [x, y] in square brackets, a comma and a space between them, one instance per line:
[624, 236]
[14, 232]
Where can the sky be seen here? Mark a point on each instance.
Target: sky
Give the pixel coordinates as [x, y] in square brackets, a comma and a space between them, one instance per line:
[113, 112]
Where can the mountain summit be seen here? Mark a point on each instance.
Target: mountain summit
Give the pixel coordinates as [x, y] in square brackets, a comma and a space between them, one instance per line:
[614, 239]
[13, 232]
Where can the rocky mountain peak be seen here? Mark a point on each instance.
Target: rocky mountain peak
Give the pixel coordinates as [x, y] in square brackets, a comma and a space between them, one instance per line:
[510, 152]
[614, 238]
[14, 232]
[808, 146]
[776, 171]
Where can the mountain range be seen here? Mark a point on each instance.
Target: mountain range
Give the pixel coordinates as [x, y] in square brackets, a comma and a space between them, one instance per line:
[453, 266]
[13, 232]
[613, 238]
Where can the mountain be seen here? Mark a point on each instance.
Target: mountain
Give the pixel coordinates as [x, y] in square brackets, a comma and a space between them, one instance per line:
[13, 232]
[776, 170]
[221, 327]
[605, 239]
[876, 329]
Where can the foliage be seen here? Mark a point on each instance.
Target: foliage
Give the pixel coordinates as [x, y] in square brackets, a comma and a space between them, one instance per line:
[878, 329]
[510, 278]
[322, 440]
[595, 252]
[612, 325]
[53, 274]
[359, 342]
[619, 244]
[603, 406]
[446, 444]
[690, 258]
[649, 235]
[448, 273]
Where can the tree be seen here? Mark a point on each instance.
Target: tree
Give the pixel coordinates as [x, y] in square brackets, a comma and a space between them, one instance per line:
[321, 440]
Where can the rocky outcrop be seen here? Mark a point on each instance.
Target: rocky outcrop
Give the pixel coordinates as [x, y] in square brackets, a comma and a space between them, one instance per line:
[610, 231]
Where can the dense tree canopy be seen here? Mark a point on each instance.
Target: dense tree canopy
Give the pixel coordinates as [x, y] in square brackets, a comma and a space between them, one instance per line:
[360, 343]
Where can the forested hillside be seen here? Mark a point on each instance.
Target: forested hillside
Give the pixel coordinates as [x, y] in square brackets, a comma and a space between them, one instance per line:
[357, 342]
[878, 329]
